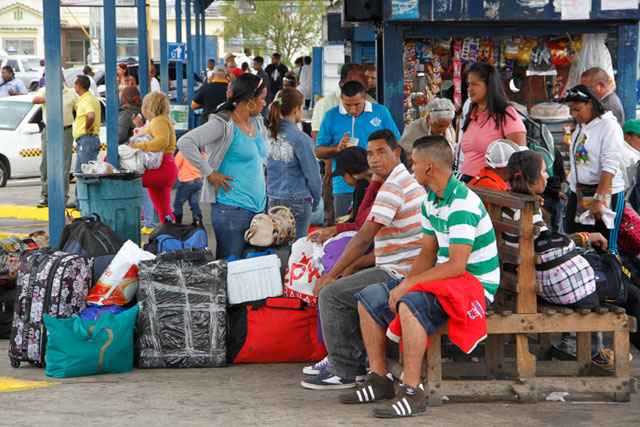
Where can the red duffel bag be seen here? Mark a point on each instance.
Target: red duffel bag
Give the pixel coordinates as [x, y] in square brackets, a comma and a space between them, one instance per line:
[277, 329]
[629, 232]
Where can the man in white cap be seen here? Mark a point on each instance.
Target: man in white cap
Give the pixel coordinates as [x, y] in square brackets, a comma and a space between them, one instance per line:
[494, 175]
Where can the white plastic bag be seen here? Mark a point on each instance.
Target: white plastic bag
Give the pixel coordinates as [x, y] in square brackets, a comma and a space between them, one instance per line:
[119, 282]
[98, 167]
[594, 53]
[130, 158]
[150, 159]
[303, 270]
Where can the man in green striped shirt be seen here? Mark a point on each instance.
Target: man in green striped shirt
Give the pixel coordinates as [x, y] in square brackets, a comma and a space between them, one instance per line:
[458, 261]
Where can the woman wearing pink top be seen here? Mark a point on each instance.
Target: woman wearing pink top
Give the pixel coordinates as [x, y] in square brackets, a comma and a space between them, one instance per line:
[490, 117]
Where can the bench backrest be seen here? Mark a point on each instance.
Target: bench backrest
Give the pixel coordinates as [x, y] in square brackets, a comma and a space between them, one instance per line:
[523, 285]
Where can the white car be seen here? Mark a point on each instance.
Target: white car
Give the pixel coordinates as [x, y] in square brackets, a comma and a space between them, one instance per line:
[20, 132]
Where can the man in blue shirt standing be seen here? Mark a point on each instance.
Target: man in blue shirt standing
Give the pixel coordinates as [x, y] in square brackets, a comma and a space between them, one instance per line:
[350, 124]
[10, 85]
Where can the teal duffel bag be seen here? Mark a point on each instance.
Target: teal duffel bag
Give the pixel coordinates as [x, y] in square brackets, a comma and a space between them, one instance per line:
[78, 347]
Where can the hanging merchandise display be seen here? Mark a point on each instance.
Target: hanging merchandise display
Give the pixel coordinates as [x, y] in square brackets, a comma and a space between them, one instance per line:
[437, 64]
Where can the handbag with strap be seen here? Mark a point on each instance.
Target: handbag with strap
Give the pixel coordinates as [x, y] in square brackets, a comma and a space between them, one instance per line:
[629, 232]
[585, 192]
[272, 229]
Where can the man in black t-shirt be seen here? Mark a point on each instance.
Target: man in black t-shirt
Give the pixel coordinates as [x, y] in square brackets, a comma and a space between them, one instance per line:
[210, 95]
[276, 71]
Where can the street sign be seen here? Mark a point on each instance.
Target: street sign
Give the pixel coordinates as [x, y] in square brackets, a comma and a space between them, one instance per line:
[176, 51]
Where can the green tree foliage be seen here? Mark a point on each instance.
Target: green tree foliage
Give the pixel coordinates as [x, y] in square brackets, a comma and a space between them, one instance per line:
[285, 26]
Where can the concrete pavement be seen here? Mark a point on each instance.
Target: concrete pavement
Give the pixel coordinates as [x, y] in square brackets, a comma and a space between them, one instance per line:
[262, 394]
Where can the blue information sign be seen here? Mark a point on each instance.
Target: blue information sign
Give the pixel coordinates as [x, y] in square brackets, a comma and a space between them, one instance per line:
[176, 51]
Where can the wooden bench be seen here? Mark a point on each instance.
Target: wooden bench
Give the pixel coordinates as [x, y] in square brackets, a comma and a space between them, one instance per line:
[523, 365]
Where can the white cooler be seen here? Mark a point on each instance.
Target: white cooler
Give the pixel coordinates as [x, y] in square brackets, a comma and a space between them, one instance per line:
[254, 279]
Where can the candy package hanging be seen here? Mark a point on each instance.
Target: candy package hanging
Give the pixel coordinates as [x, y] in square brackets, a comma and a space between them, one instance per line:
[559, 47]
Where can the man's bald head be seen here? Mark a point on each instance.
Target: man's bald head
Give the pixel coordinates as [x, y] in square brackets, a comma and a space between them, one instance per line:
[598, 80]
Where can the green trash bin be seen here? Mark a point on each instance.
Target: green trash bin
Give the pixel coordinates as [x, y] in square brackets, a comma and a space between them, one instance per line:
[116, 198]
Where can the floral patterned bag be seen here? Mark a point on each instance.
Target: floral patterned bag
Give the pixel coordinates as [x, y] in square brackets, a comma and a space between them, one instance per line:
[51, 282]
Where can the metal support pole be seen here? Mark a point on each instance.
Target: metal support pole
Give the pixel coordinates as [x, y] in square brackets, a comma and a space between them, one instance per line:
[55, 139]
[111, 80]
[197, 59]
[203, 43]
[190, 55]
[164, 63]
[179, 72]
[392, 72]
[143, 49]
[627, 68]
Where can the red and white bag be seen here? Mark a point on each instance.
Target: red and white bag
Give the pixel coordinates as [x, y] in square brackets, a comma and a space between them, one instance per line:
[303, 269]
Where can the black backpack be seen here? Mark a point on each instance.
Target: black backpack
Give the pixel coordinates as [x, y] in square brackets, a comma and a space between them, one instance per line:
[90, 237]
[612, 280]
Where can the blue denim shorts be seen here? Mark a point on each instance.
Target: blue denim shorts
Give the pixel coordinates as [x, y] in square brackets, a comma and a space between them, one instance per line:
[424, 306]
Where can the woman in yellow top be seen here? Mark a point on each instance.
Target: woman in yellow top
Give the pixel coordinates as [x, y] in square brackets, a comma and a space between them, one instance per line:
[155, 108]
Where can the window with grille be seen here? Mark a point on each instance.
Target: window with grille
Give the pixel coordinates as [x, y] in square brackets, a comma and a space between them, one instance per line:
[20, 46]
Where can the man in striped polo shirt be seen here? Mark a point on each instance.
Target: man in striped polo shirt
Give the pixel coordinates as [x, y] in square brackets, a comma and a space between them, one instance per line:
[394, 226]
[459, 256]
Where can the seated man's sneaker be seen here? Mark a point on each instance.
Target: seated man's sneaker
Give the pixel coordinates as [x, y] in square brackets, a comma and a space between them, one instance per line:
[325, 380]
[409, 401]
[317, 368]
[375, 388]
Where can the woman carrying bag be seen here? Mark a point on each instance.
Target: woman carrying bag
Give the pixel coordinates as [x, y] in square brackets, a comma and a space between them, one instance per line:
[155, 108]
[595, 178]
[234, 140]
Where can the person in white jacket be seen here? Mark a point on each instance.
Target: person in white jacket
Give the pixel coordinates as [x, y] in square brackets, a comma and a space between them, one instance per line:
[596, 155]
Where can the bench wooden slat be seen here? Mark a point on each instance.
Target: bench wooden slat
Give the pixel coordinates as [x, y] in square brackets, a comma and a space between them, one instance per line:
[509, 281]
[505, 198]
[509, 255]
[534, 323]
[506, 225]
[614, 308]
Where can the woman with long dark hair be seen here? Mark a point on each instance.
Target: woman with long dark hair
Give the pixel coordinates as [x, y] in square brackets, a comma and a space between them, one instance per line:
[131, 104]
[490, 117]
[234, 140]
[573, 283]
[595, 177]
[293, 174]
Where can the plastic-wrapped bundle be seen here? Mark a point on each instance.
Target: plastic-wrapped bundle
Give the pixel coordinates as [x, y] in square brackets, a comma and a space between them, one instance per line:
[182, 321]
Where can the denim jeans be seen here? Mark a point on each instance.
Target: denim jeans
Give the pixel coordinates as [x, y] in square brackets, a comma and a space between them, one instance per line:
[341, 324]
[188, 191]
[229, 224]
[148, 210]
[301, 211]
[556, 208]
[341, 204]
[87, 149]
[67, 138]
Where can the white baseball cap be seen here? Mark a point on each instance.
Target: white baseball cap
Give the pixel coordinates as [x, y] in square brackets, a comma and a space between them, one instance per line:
[499, 152]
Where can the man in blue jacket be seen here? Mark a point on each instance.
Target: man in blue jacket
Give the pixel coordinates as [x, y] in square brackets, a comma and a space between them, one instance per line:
[350, 124]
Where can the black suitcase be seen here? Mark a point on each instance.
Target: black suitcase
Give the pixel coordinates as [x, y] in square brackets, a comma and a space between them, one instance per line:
[7, 302]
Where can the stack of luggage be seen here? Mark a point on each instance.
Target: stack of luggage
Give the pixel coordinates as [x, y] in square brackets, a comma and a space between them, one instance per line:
[73, 309]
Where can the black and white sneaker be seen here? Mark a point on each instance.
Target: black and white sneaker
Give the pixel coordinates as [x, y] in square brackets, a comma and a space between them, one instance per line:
[375, 388]
[410, 401]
